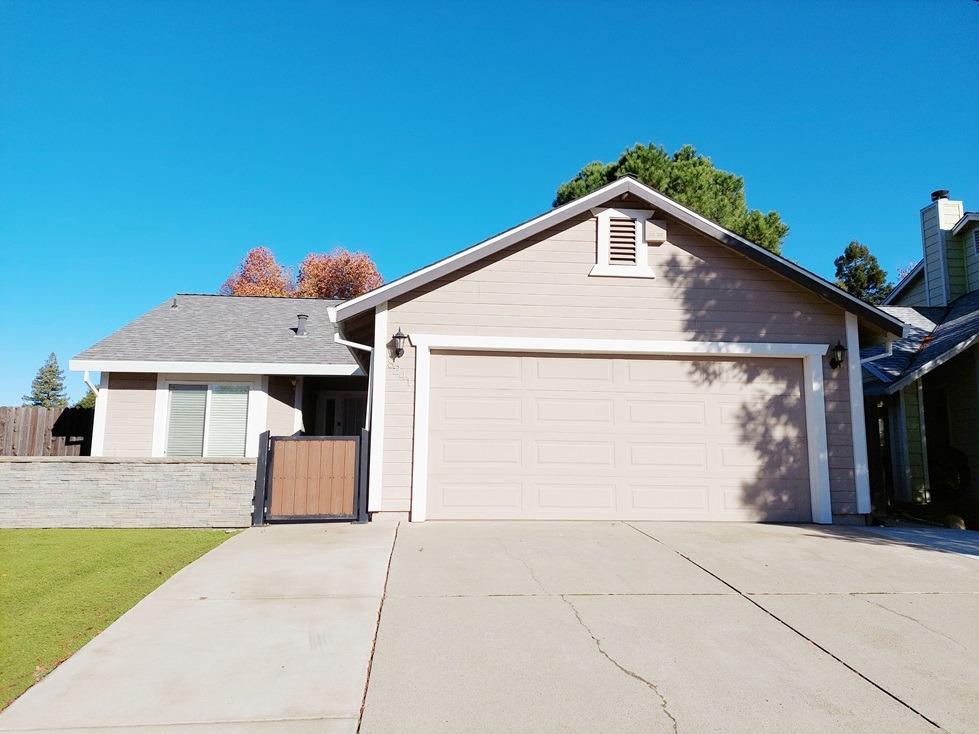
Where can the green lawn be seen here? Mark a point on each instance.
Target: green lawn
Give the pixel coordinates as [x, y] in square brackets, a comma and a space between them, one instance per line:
[60, 588]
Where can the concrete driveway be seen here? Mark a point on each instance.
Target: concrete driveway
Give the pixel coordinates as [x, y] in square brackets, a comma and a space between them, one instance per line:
[646, 627]
[536, 627]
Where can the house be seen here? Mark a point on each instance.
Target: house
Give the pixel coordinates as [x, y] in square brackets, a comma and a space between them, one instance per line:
[617, 357]
[204, 376]
[923, 390]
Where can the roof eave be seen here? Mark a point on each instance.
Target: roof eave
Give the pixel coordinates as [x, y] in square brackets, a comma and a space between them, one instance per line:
[212, 368]
[927, 367]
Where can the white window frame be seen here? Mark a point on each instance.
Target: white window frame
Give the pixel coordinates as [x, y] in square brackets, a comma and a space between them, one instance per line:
[255, 421]
[603, 268]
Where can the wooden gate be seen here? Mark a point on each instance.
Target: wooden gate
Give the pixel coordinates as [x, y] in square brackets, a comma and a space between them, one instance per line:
[312, 478]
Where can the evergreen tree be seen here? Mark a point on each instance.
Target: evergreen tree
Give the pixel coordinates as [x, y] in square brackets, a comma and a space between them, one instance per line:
[692, 180]
[48, 387]
[859, 274]
[86, 402]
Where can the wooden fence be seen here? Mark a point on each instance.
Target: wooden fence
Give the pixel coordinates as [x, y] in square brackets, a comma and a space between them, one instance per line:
[31, 431]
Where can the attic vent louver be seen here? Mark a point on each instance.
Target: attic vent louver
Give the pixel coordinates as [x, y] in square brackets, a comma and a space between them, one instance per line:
[622, 241]
[301, 325]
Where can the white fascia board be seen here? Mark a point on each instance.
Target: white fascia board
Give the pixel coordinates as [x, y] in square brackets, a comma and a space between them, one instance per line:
[614, 346]
[586, 204]
[215, 368]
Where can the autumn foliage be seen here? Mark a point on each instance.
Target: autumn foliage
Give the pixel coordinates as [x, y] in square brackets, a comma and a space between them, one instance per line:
[339, 274]
[259, 275]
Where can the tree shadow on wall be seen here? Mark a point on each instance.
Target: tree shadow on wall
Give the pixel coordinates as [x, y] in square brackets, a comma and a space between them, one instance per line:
[768, 472]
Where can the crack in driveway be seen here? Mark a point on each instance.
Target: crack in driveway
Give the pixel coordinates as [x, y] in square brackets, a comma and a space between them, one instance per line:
[749, 598]
[632, 674]
[598, 643]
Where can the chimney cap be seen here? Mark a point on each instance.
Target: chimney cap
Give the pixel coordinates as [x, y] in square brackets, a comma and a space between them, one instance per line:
[939, 194]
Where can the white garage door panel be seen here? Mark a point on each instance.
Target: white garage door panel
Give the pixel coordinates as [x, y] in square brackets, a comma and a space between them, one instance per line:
[580, 437]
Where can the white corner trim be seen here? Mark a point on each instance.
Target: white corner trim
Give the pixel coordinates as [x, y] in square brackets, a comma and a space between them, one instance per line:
[214, 368]
[861, 467]
[257, 420]
[811, 355]
[614, 346]
[419, 454]
[297, 405]
[98, 420]
[160, 408]
[378, 377]
[819, 493]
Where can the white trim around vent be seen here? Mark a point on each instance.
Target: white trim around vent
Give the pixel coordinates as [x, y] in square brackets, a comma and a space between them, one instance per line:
[810, 354]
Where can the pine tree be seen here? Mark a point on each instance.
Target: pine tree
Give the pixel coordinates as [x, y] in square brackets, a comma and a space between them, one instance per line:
[859, 273]
[86, 402]
[48, 387]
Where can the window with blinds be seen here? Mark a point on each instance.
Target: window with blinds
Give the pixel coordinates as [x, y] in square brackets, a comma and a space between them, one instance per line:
[207, 420]
[621, 241]
[185, 431]
[226, 420]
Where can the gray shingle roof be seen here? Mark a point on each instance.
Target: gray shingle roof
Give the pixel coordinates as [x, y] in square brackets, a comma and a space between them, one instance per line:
[933, 333]
[207, 328]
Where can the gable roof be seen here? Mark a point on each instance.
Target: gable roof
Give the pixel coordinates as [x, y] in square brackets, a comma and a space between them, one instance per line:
[906, 281]
[934, 335]
[250, 333]
[958, 330]
[662, 203]
[886, 368]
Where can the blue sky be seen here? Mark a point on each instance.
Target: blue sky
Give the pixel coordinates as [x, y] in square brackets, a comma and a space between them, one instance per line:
[145, 147]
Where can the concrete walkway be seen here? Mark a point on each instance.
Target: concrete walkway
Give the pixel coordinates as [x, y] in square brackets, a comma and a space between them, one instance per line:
[270, 632]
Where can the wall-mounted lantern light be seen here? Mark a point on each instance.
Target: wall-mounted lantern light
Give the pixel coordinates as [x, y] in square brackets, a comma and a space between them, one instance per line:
[399, 343]
[836, 355]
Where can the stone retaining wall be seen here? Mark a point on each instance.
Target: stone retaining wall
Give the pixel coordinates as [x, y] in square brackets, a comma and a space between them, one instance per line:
[96, 492]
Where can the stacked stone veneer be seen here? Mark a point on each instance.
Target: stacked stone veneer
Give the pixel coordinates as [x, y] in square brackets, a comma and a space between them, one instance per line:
[91, 492]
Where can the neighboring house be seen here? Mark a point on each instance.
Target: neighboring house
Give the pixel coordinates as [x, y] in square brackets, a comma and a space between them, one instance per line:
[618, 357]
[203, 376]
[923, 390]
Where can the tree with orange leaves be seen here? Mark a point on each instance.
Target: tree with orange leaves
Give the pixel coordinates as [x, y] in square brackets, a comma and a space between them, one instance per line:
[339, 274]
[259, 275]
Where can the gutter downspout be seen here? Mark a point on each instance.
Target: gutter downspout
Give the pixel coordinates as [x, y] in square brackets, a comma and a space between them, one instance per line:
[87, 380]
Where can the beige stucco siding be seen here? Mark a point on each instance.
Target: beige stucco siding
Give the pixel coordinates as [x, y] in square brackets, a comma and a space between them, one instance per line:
[281, 411]
[541, 288]
[129, 414]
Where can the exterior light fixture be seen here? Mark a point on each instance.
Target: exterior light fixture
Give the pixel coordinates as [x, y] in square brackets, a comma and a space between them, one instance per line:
[836, 355]
[399, 343]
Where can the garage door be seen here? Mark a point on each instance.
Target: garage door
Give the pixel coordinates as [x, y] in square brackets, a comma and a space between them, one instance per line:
[580, 437]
